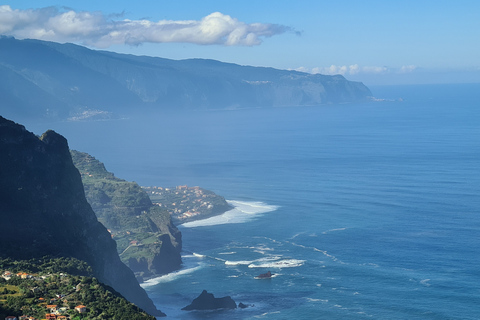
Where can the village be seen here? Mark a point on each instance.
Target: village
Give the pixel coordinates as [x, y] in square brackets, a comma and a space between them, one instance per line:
[187, 203]
[58, 305]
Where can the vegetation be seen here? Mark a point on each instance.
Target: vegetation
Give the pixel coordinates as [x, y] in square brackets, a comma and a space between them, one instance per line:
[142, 231]
[63, 282]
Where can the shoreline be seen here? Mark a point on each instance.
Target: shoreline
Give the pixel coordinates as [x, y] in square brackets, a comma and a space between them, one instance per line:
[241, 212]
[201, 217]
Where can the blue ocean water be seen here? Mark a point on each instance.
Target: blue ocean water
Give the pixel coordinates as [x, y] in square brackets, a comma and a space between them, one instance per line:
[362, 211]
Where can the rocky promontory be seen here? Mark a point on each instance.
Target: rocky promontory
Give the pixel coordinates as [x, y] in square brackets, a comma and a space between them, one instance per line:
[147, 240]
[187, 204]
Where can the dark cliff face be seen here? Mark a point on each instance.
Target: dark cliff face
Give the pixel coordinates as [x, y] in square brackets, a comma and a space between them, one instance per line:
[44, 211]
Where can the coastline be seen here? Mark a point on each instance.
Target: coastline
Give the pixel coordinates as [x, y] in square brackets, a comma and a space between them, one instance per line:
[202, 216]
[241, 212]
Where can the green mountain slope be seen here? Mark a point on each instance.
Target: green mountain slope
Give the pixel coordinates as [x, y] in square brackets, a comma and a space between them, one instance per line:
[33, 286]
[147, 240]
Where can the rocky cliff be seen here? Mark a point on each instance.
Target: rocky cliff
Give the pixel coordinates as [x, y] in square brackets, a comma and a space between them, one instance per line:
[147, 240]
[44, 211]
[47, 79]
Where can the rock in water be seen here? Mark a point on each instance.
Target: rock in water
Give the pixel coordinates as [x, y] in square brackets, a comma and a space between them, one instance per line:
[206, 301]
[44, 211]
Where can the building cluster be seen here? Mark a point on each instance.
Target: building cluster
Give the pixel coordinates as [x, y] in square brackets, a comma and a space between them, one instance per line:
[183, 202]
[55, 308]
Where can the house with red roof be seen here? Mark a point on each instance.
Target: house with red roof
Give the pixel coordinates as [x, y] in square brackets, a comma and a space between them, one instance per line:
[81, 309]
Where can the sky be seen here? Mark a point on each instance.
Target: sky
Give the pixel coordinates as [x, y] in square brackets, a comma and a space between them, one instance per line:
[376, 42]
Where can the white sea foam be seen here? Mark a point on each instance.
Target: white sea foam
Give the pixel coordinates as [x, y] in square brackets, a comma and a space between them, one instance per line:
[233, 252]
[316, 300]
[287, 263]
[236, 263]
[169, 277]
[242, 212]
[296, 235]
[267, 313]
[425, 282]
[333, 230]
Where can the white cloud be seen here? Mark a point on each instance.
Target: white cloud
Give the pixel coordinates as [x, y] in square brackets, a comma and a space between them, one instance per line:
[407, 69]
[355, 69]
[333, 69]
[98, 30]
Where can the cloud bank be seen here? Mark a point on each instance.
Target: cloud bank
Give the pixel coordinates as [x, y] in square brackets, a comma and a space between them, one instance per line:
[98, 30]
[356, 69]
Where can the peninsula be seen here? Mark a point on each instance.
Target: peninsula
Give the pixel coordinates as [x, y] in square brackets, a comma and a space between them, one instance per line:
[187, 204]
[147, 240]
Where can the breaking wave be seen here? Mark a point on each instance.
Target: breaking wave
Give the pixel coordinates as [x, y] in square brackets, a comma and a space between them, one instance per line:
[169, 277]
[236, 263]
[287, 263]
[242, 212]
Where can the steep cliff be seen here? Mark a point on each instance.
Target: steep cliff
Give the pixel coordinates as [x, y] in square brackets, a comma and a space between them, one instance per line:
[147, 240]
[44, 211]
[48, 79]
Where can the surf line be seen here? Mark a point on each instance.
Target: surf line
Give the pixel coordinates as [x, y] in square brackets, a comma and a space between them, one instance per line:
[325, 253]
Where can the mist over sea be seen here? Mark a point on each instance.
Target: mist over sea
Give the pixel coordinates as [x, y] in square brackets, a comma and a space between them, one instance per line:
[362, 211]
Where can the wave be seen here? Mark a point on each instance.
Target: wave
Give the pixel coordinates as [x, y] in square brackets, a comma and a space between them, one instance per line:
[241, 213]
[324, 252]
[287, 263]
[169, 277]
[236, 263]
[425, 282]
[316, 300]
[333, 230]
[269, 258]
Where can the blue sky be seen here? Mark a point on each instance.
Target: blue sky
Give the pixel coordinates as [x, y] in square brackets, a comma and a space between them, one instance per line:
[377, 42]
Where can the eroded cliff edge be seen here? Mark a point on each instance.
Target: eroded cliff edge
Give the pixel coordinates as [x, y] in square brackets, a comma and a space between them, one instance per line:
[44, 211]
[147, 240]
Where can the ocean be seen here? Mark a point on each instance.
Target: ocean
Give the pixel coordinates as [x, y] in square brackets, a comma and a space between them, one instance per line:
[361, 211]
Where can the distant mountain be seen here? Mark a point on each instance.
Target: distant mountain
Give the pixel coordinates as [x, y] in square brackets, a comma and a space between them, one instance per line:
[44, 211]
[147, 240]
[47, 79]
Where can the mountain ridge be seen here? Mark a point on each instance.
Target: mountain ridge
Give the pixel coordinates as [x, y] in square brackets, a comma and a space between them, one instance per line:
[62, 80]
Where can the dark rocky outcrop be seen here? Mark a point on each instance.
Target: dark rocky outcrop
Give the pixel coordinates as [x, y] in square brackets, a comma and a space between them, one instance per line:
[207, 301]
[44, 211]
[39, 78]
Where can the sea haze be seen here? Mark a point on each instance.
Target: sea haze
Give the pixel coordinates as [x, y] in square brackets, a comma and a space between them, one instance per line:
[362, 211]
